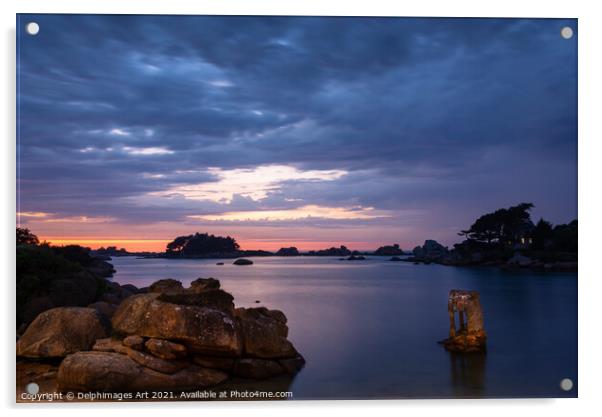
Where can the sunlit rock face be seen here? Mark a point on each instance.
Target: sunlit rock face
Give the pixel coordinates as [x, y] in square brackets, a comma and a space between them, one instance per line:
[176, 338]
[60, 331]
[470, 336]
[200, 328]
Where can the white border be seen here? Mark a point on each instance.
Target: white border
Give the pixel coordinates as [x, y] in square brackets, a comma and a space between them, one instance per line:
[590, 207]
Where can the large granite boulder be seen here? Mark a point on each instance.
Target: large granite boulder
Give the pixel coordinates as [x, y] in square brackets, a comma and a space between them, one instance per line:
[104, 308]
[169, 339]
[61, 331]
[215, 362]
[166, 285]
[201, 329]
[115, 372]
[264, 333]
[216, 299]
[165, 349]
[257, 368]
[204, 284]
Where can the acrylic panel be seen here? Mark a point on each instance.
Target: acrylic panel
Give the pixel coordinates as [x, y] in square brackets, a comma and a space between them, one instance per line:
[290, 208]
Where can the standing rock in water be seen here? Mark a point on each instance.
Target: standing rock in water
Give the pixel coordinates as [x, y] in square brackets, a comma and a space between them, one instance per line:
[470, 336]
[242, 261]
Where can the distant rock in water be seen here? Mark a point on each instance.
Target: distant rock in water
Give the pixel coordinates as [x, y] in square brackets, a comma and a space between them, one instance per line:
[389, 250]
[292, 251]
[342, 251]
[395, 259]
[243, 261]
[356, 258]
[219, 263]
[431, 251]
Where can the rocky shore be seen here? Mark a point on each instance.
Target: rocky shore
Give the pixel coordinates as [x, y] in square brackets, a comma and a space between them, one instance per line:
[165, 337]
[512, 258]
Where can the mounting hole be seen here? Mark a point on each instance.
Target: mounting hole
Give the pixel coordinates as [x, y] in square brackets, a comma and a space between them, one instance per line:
[566, 384]
[32, 28]
[32, 388]
[566, 32]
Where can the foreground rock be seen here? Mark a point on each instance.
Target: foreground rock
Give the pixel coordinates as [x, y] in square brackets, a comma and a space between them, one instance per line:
[176, 338]
[114, 372]
[200, 328]
[470, 337]
[264, 333]
[61, 331]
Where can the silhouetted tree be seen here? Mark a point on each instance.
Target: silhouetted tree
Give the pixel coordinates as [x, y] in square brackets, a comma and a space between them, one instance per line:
[542, 234]
[502, 226]
[25, 237]
[564, 237]
[200, 244]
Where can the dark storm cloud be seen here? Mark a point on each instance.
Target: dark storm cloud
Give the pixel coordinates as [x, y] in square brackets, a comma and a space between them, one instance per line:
[467, 114]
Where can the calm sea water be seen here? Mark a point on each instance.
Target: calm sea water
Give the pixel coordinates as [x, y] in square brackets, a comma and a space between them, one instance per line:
[369, 329]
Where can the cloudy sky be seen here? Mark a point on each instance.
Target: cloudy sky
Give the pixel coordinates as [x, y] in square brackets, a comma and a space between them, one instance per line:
[291, 131]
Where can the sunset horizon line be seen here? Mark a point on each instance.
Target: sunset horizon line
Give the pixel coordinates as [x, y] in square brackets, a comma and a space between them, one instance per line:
[159, 245]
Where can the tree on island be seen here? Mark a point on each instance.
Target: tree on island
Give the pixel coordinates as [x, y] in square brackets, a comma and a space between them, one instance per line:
[341, 251]
[389, 250]
[111, 251]
[292, 251]
[201, 244]
[506, 226]
[542, 233]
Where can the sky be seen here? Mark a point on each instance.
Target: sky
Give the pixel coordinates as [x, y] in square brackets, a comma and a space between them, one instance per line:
[290, 131]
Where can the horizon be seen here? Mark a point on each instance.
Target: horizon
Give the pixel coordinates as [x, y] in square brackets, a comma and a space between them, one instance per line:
[135, 245]
[291, 131]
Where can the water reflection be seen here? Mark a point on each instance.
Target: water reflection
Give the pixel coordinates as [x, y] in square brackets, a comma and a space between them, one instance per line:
[467, 372]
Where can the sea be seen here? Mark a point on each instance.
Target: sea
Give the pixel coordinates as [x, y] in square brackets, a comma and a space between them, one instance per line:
[369, 329]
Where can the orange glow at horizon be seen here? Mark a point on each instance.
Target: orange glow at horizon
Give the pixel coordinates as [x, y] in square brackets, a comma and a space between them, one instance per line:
[158, 245]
